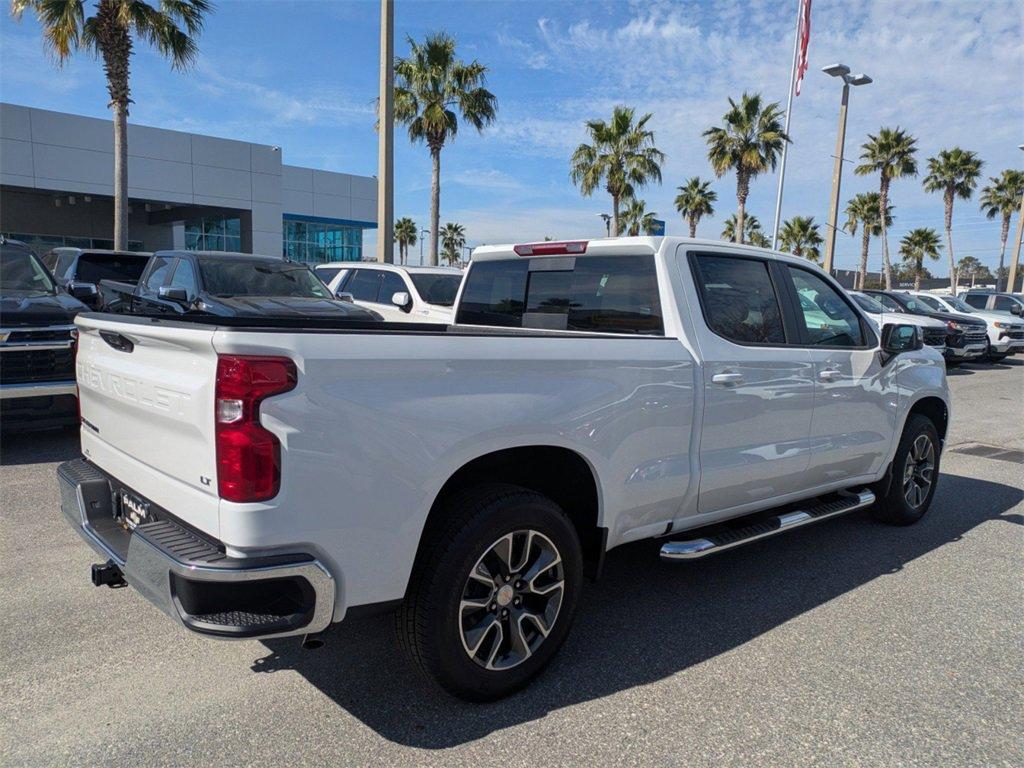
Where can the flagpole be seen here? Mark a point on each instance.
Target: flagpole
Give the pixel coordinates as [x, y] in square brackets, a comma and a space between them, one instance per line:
[785, 144]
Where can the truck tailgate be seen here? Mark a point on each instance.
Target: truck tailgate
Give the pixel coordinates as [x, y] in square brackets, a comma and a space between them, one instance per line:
[146, 393]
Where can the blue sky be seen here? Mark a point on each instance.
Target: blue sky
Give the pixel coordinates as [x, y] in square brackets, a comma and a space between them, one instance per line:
[302, 75]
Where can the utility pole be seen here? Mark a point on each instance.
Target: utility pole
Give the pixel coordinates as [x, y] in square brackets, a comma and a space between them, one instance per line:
[843, 71]
[386, 136]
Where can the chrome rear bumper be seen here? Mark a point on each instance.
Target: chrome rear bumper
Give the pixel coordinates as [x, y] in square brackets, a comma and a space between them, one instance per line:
[178, 570]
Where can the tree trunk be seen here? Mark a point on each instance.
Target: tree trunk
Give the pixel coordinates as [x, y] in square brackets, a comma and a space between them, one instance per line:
[435, 202]
[865, 241]
[115, 46]
[949, 240]
[693, 226]
[615, 215]
[742, 190]
[918, 266]
[883, 204]
[1004, 233]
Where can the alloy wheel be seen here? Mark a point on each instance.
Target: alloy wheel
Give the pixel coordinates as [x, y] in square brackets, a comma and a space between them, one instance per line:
[919, 471]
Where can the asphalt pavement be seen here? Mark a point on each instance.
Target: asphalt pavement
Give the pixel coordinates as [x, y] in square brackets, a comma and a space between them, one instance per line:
[847, 643]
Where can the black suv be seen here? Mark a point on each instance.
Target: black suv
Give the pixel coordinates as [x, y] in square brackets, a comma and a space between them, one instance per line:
[79, 270]
[37, 365]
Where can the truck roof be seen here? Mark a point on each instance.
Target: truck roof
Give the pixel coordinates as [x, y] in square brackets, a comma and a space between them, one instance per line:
[618, 246]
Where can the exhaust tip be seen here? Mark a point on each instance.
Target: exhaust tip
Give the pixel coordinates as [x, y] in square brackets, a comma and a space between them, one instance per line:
[313, 641]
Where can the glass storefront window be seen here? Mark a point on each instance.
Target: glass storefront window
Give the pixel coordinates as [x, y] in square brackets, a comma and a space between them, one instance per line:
[320, 242]
[217, 233]
[42, 243]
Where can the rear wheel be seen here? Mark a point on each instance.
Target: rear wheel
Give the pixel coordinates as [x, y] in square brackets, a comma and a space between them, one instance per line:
[915, 473]
[493, 592]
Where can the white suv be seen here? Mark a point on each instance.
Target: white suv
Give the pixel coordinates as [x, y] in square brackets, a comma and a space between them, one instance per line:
[1005, 332]
[401, 294]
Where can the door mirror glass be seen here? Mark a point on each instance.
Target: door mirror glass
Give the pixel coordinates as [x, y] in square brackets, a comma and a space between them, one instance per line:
[82, 290]
[901, 338]
[172, 293]
[402, 300]
[344, 296]
[1017, 309]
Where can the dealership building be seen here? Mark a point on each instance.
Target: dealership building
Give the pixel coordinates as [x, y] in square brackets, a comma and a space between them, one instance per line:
[185, 190]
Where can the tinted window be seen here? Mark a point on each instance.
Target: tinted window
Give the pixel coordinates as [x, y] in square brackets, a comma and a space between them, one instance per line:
[262, 277]
[327, 273]
[157, 275]
[1005, 304]
[184, 277]
[363, 284]
[958, 305]
[50, 260]
[603, 294]
[829, 320]
[392, 284]
[95, 267]
[437, 289]
[739, 299]
[867, 303]
[22, 272]
[888, 302]
[977, 301]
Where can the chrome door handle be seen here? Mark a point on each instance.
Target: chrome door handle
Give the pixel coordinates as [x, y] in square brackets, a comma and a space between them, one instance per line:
[727, 378]
[830, 375]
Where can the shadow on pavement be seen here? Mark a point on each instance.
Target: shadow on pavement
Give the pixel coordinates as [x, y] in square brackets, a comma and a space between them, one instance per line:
[38, 447]
[644, 621]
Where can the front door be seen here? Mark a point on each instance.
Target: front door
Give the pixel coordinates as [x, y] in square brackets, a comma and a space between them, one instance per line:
[758, 387]
[855, 395]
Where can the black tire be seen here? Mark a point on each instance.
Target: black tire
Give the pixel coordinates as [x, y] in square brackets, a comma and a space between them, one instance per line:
[898, 504]
[430, 620]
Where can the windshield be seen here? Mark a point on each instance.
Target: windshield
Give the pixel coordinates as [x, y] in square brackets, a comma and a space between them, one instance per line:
[919, 306]
[248, 277]
[959, 305]
[932, 303]
[437, 289]
[21, 271]
[867, 303]
[93, 267]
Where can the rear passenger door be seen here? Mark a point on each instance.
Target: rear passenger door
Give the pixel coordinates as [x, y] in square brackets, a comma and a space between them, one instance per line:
[855, 395]
[758, 382]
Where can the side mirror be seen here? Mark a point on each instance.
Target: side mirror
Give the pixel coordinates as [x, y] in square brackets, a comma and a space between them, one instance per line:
[402, 300]
[82, 290]
[344, 296]
[179, 295]
[1017, 309]
[900, 338]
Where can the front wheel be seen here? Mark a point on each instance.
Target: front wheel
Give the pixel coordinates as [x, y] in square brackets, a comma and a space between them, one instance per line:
[493, 592]
[915, 473]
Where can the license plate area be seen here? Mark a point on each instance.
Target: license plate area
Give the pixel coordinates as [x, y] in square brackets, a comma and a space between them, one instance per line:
[130, 511]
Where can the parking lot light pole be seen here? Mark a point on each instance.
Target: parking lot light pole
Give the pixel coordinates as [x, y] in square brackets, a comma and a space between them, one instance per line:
[607, 223]
[843, 71]
[422, 233]
[386, 136]
[1015, 261]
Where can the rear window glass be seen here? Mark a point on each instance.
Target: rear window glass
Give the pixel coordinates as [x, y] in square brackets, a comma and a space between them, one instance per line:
[600, 294]
[245, 277]
[95, 267]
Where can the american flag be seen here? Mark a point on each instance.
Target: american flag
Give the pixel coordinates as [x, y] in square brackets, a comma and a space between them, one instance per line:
[804, 34]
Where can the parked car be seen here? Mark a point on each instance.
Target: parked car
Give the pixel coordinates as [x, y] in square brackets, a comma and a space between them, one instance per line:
[1005, 334]
[966, 337]
[932, 329]
[227, 284]
[993, 301]
[80, 270]
[400, 294]
[37, 364]
[262, 482]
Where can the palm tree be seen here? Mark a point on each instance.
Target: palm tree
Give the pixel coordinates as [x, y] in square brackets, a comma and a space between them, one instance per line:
[953, 172]
[758, 239]
[862, 211]
[169, 26]
[432, 88]
[621, 155]
[1002, 198]
[751, 226]
[636, 218]
[749, 141]
[891, 155]
[915, 245]
[695, 199]
[801, 237]
[405, 236]
[453, 237]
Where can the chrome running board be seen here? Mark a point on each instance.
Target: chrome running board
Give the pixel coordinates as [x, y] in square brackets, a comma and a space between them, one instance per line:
[692, 549]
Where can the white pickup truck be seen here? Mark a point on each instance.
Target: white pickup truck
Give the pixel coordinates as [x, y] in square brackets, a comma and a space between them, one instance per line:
[258, 479]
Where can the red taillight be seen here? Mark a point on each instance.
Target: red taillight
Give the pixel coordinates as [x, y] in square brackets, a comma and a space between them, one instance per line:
[248, 456]
[551, 248]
